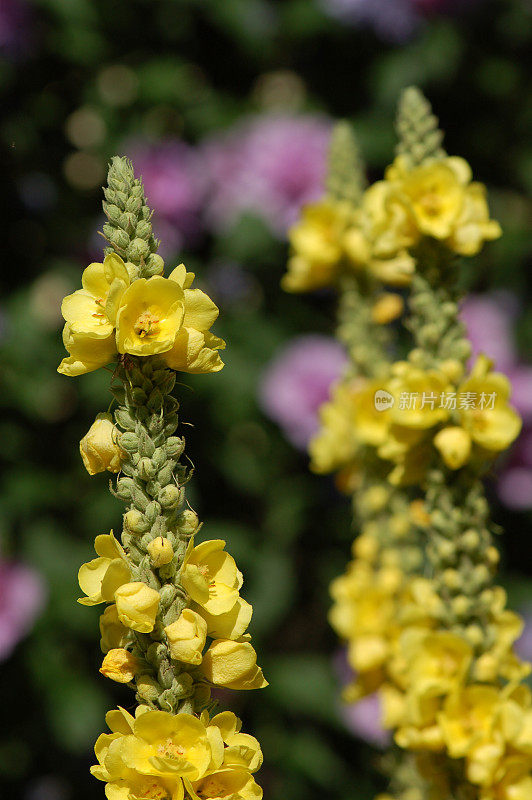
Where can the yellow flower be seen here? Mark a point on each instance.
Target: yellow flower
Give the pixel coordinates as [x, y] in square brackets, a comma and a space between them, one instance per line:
[150, 316]
[490, 421]
[225, 784]
[136, 606]
[231, 624]
[164, 745]
[120, 665]
[160, 551]
[468, 718]
[473, 226]
[186, 637]
[316, 242]
[233, 665]
[454, 445]
[383, 231]
[91, 311]
[195, 347]
[144, 787]
[433, 193]
[86, 353]
[101, 577]
[113, 633]
[334, 445]
[210, 576]
[387, 307]
[417, 395]
[99, 447]
[241, 749]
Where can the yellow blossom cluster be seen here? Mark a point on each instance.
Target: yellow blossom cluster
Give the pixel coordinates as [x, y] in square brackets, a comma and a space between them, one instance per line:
[435, 200]
[159, 756]
[463, 418]
[117, 313]
[212, 581]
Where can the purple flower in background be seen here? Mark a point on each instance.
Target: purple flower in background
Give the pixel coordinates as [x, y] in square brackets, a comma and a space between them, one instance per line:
[269, 165]
[489, 320]
[362, 718]
[523, 645]
[15, 28]
[22, 597]
[174, 185]
[297, 382]
[392, 20]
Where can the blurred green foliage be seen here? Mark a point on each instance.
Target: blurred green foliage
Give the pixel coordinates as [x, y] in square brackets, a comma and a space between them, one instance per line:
[188, 68]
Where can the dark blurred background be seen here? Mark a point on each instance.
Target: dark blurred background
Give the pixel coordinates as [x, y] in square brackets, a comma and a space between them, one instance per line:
[226, 108]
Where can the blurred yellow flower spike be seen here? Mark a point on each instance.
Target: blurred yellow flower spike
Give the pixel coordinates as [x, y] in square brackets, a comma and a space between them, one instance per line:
[99, 447]
[137, 605]
[232, 664]
[210, 576]
[186, 637]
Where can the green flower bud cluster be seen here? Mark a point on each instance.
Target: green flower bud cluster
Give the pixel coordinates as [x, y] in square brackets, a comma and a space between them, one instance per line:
[365, 340]
[419, 137]
[345, 174]
[129, 230]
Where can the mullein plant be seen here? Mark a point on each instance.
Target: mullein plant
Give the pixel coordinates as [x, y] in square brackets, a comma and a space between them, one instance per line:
[425, 623]
[174, 624]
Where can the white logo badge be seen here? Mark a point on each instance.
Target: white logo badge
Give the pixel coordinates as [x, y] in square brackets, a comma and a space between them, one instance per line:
[383, 400]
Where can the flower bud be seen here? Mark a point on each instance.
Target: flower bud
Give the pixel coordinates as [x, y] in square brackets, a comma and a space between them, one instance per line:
[137, 605]
[186, 637]
[188, 522]
[174, 446]
[124, 488]
[160, 551]
[171, 496]
[148, 688]
[454, 445]
[99, 449]
[120, 665]
[233, 665]
[146, 469]
[387, 307]
[137, 249]
[154, 264]
[136, 522]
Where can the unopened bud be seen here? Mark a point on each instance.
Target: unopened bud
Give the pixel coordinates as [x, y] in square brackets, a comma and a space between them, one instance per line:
[160, 551]
[387, 307]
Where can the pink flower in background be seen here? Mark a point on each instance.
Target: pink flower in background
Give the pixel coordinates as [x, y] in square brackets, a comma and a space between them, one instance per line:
[174, 185]
[297, 382]
[22, 597]
[489, 320]
[268, 165]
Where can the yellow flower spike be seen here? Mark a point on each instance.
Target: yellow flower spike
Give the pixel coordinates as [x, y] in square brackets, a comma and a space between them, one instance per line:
[150, 316]
[86, 353]
[165, 744]
[99, 447]
[210, 576]
[120, 665]
[91, 311]
[454, 446]
[231, 624]
[113, 633]
[233, 665]
[137, 605]
[195, 347]
[225, 784]
[160, 551]
[186, 637]
[102, 576]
